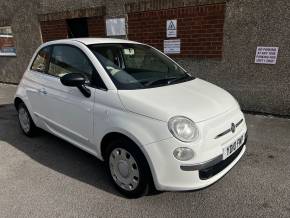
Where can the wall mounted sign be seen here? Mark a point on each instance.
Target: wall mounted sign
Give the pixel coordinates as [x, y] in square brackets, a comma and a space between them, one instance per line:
[7, 43]
[116, 27]
[171, 28]
[172, 46]
[266, 55]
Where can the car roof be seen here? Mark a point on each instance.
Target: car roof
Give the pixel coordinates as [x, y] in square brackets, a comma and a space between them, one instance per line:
[89, 41]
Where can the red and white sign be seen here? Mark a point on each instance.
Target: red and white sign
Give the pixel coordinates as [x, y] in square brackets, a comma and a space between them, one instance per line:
[7, 43]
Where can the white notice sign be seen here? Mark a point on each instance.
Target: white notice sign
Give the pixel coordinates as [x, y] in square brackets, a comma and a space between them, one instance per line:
[172, 46]
[115, 27]
[171, 28]
[266, 55]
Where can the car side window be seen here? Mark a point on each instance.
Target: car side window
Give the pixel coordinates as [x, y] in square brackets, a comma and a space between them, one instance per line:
[41, 60]
[68, 59]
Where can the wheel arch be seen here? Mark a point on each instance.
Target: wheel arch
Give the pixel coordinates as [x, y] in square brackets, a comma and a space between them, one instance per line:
[17, 101]
[22, 99]
[114, 135]
[110, 136]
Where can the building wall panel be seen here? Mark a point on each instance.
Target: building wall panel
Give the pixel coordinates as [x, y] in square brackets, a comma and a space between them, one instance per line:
[200, 29]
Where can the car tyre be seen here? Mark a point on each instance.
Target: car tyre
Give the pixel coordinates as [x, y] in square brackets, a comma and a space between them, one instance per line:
[25, 121]
[128, 168]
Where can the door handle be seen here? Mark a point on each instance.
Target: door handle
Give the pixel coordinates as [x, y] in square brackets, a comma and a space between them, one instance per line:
[42, 91]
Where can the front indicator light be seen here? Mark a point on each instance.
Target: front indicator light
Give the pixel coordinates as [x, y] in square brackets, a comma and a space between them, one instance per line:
[183, 154]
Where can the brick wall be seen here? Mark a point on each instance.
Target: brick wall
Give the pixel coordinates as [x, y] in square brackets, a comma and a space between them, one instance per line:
[52, 30]
[54, 26]
[57, 29]
[96, 26]
[200, 29]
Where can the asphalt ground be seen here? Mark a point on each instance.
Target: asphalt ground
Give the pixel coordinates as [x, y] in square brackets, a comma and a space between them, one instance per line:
[47, 177]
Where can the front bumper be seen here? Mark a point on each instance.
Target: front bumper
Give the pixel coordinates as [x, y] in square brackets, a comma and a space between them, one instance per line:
[215, 163]
[170, 174]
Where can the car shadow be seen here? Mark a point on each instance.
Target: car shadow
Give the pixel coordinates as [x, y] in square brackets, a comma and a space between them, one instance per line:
[54, 153]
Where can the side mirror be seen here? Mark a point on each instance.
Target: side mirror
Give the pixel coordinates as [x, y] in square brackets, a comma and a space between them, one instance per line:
[76, 80]
[73, 79]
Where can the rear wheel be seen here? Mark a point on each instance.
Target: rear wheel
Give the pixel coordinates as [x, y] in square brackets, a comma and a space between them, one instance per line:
[128, 168]
[25, 121]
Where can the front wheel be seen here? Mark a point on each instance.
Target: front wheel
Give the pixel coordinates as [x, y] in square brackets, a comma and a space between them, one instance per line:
[128, 168]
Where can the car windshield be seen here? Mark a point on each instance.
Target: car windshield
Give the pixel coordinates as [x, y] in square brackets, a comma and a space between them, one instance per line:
[137, 66]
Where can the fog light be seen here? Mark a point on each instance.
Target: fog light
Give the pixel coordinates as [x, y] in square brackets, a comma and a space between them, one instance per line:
[183, 154]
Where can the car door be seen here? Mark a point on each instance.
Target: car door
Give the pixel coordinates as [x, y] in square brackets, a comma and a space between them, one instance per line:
[34, 80]
[68, 113]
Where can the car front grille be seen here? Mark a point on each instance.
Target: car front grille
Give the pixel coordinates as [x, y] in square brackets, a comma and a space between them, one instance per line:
[229, 130]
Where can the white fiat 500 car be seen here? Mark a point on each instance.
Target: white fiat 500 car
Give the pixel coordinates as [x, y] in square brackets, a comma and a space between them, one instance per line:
[133, 107]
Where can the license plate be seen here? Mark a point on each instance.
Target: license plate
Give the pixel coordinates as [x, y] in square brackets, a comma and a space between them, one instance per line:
[230, 149]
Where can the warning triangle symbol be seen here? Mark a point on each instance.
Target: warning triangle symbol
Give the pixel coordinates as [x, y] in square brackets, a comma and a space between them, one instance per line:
[171, 26]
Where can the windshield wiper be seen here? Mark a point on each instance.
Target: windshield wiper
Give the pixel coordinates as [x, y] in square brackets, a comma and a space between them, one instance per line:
[169, 80]
[187, 77]
[159, 81]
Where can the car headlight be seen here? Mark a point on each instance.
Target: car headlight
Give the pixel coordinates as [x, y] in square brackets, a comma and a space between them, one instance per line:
[183, 129]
